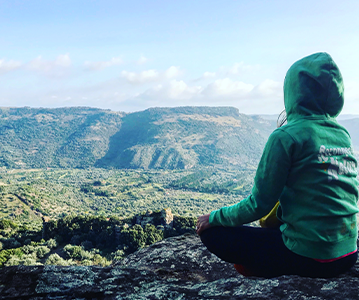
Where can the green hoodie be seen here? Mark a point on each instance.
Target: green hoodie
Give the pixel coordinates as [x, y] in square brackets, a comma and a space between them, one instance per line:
[309, 166]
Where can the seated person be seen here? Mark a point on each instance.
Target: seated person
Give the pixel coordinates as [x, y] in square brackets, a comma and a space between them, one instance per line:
[308, 165]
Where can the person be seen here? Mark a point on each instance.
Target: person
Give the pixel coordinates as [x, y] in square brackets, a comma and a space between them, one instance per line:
[308, 164]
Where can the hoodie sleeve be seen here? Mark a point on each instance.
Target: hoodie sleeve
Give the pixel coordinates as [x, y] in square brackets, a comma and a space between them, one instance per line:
[270, 179]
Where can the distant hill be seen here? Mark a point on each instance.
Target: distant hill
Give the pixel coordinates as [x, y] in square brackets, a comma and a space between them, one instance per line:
[184, 137]
[352, 125]
[168, 138]
[341, 117]
[347, 117]
[350, 122]
[62, 137]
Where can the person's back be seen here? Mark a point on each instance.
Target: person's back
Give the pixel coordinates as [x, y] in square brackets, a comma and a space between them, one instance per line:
[319, 198]
[309, 166]
[318, 202]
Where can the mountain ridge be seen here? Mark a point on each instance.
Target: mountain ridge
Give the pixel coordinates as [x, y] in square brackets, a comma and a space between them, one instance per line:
[163, 138]
[156, 138]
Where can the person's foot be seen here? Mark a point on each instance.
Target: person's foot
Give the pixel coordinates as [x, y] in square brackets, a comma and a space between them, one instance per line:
[243, 270]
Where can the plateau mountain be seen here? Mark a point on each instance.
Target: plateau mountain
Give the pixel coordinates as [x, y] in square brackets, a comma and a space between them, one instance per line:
[157, 138]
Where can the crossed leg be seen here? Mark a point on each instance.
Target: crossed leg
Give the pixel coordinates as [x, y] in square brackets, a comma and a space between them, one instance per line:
[263, 253]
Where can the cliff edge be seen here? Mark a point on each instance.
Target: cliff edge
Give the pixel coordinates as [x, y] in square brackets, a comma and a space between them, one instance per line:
[175, 268]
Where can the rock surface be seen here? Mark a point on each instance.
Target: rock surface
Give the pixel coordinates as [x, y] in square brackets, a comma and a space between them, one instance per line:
[175, 268]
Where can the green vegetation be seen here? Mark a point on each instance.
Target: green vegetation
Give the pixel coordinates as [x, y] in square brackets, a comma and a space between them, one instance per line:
[89, 240]
[97, 216]
[157, 138]
[84, 186]
[62, 137]
[27, 195]
[216, 181]
[187, 137]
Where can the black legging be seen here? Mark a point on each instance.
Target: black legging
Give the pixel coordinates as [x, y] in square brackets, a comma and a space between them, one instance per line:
[263, 253]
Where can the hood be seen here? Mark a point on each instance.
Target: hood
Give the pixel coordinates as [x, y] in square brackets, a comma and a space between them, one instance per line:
[313, 86]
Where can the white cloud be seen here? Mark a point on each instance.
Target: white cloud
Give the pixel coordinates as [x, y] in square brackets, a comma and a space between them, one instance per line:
[140, 90]
[209, 75]
[351, 90]
[53, 68]
[269, 88]
[205, 76]
[263, 98]
[63, 61]
[172, 72]
[351, 95]
[228, 88]
[142, 77]
[99, 65]
[150, 75]
[241, 67]
[7, 66]
[142, 60]
[174, 90]
[180, 90]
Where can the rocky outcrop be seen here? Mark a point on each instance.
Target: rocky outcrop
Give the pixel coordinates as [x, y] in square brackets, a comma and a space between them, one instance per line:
[175, 268]
[163, 218]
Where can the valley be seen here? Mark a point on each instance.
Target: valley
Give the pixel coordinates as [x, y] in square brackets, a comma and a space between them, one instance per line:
[76, 184]
[27, 195]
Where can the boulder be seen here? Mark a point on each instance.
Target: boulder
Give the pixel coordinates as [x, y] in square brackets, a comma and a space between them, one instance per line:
[175, 268]
[163, 218]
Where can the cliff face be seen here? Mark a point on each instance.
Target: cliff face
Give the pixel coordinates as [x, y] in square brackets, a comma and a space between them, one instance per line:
[176, 268]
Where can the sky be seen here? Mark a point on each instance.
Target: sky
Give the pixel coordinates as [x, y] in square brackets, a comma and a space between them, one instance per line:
[132, 55]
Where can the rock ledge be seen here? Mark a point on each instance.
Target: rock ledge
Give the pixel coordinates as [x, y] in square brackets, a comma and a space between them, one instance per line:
[175, 268]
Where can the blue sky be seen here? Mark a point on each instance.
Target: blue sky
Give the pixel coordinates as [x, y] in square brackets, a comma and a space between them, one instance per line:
[131, 55]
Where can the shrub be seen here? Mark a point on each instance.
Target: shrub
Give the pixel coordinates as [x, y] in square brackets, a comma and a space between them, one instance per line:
[181, 222]
[133, 237]
[5, 224]
[27, 260]
[152, 234]
[13, 261]
[101, 261]
[17, 251]
[86, 262]
[41, 251]
[57, 260]
[84, 255]
[27, 249]
[118, 255]
[95, 251]
[4, 255]
[51, 243]
[73, 251]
